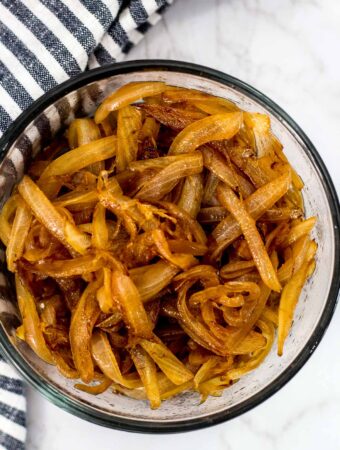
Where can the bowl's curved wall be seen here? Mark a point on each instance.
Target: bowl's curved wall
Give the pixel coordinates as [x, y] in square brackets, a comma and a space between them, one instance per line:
[307, 328]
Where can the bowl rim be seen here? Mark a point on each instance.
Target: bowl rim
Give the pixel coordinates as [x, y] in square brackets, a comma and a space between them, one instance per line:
[80, 409]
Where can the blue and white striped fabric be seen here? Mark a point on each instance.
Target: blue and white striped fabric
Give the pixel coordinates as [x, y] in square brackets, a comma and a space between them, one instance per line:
[42, 43]
[12, 409]
[45, 42]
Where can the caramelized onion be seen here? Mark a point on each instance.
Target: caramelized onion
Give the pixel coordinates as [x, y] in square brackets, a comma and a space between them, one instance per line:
[150, 243]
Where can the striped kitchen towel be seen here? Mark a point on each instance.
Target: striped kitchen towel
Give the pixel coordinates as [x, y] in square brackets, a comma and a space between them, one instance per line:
[42, 43]
[12, 408]
[45, 42]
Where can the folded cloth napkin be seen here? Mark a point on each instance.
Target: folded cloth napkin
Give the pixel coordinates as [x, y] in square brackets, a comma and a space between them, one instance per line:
[42, 43]
[45, 42]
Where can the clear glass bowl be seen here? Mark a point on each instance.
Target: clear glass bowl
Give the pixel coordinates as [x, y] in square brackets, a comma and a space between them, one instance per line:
[79, 97]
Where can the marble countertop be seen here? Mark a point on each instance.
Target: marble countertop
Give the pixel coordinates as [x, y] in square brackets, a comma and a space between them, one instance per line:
[290, 51]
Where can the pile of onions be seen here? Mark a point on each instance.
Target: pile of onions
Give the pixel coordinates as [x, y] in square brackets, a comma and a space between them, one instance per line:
[157, 246]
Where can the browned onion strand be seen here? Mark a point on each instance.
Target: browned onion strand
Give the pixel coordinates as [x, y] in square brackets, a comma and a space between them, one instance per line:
[160, 253]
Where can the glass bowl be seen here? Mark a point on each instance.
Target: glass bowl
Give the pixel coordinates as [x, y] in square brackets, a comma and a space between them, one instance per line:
[79, 97]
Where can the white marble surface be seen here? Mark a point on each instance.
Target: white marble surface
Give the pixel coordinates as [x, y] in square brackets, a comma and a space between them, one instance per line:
[288, 49]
